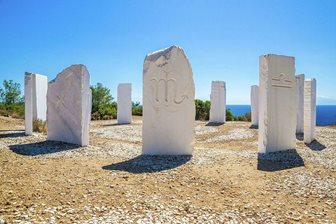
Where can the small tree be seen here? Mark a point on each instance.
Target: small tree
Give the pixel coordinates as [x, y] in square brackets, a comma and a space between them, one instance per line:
[100, 96]
[136, 109]
[11, 92]
[229, 115]
[103, 106]
[202, 109]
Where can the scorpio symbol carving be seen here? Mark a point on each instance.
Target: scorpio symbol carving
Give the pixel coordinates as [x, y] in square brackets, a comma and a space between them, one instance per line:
[166, 81]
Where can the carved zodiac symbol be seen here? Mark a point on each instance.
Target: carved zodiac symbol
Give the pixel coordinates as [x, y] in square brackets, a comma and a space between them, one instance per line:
[166, 81]
[282, 81]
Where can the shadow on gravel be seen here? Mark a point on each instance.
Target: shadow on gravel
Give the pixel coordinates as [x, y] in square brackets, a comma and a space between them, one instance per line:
[282, 160]
[316, 146]
[115, 124]
[41, 148]
[214, 124]
[149, 164]
[12, 135]
[254, 127]
[299, 136]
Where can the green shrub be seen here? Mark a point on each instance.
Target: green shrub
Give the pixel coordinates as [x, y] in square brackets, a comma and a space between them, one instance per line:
[246, 117]
[202, 110]
[107, 111]
[136, 109]
[11, 102]
[229, 115]
[10, 93]
[15, 110]
[103, 106]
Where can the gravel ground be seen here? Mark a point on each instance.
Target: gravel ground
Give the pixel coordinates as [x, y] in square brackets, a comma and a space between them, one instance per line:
[235, 134]
[225, 181]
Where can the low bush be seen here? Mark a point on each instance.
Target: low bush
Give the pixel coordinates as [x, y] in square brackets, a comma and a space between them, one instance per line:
[39, 126]
[203, 112]
[229, 115]
[15, 110]
[105, 112]
[246, 117]
[136, 109]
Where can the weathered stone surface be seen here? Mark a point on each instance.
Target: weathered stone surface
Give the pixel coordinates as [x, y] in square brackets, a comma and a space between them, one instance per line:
[255, 105]
[277, 103]
[218, 102]
[69, 106]
[124, 113]
[299, 102]
[168, 103]
[28, 104]
[309, 110]
[36, 87]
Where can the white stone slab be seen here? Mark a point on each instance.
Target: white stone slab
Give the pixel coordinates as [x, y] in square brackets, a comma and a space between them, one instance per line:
[299, 102]
[36, 87]
[277, 103]
[218, 102]
[255, 105]
[28, 104]
[124, 113]
[168, 103]
[309, 110]
[69, 106]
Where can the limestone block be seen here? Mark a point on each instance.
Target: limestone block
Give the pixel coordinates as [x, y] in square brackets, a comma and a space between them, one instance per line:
[36, 87]
[277, 103]
[168, 103]
[309, 110]
[255, 105]
[124, 113]
[69, 106]
[28, 104]
[218, 102]
[299, 102]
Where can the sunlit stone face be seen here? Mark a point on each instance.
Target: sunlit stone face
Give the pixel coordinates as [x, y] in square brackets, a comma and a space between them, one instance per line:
[124, 114]
[255, 105]
[168, 103]
[35, 99]
[218, 102]
[69, 106]
[277, 103]
[309, 110]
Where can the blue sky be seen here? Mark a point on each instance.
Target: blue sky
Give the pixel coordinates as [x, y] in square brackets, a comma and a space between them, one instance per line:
[222, 39]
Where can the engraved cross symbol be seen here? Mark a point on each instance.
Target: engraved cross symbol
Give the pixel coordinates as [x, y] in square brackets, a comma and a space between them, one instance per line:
[60, 101]
[166, 81]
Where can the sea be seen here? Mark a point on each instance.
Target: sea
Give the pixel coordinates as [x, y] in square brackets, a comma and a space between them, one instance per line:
[325, 114]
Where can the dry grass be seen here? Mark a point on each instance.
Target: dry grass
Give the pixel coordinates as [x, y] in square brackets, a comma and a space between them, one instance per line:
[40, 126]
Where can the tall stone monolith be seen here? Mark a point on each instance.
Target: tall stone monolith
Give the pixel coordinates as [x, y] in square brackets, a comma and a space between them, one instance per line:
[277, 103]
[124, 112]
[168, 103]
[218, 102]
[69, 106]
[299, 102]
[36, 87]
[254, 105]
[309, 110]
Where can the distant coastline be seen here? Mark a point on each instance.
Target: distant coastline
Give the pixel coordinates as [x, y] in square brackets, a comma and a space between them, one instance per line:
[325, 114]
